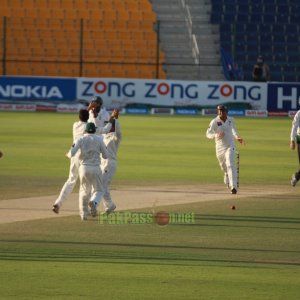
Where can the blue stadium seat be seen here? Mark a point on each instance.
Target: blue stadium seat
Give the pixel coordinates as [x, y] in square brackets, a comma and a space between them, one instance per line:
[276, 28]
[276, 68]
[267, 27]
[292, 38]
[268, 1]
[269, 18]
[282, 18]
[240, 57]
[269, 8]
[276, 76]
[227, 46]
[294, 7]
[283, 9]
[266, 49]
[288, 68]
[229, 18]
[252, 47]
[215, 18]
[290, 77]
[280, 58]
[266, 38]
[256, 8]
[291, 28]
[268, 57]
[297, 68]
[227, 27]
[293, 57]
[278, 38]
[242, 18]
[243, 8]
[279, 48]
[251, 2]
[240, 47]
[251, 27]
[292, 47]
[295, 18]
[255, 18]
[225, 35]
[252, 56]
[217, 7]
[230, 8]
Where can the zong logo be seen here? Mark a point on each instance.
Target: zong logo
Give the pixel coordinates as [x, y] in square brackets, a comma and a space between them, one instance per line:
[235, 92]
[173, 90]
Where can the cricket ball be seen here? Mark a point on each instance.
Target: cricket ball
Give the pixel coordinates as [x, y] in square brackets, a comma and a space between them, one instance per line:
[233, 207]
[162, 218]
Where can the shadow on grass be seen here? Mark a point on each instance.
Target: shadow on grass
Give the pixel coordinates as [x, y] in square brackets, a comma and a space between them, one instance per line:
[141, 260]
[76, 243]
[257, 221]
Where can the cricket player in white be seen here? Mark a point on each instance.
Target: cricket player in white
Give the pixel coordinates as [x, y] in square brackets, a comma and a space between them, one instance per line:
[78, 131]
[90, 146]
[99, 116]
[295, 139]
[109, 166]
[223, 130]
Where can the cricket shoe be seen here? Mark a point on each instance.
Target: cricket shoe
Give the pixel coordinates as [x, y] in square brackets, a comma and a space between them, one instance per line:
[83, 218]
[110, 209]
[93, 208]
[233, 191]
[226, 180]
[55, 208]
[294, 180]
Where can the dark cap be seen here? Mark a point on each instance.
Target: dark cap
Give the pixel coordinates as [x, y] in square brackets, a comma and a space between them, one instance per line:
[90, 128]
[222, 107]
[97, 99]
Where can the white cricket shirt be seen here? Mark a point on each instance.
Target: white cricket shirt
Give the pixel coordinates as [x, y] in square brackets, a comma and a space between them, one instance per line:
[91, 146]
[295, 126]
[229, 129]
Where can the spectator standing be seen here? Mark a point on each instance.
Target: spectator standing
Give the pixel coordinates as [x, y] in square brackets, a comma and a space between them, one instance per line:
[261, 71]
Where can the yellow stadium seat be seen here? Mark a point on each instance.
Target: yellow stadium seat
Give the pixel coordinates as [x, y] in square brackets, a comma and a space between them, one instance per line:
[92, 4]
[35, 4]
[68, 4]
[52, 4]
[81, 4]
[116, 32]
[4, 4]
[70, 13]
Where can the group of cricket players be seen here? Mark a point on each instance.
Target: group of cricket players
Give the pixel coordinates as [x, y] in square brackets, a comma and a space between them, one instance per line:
[93, 156]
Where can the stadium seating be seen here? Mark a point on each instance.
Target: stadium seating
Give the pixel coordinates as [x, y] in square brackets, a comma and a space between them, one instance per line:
[269, 27]
[50, 33]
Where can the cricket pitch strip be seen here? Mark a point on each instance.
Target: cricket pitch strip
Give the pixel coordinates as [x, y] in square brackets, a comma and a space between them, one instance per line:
[129, 198]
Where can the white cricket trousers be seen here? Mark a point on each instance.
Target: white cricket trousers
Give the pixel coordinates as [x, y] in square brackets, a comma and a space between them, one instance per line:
[71, 181]
[91, 187]
[226, 158]
[108, 168]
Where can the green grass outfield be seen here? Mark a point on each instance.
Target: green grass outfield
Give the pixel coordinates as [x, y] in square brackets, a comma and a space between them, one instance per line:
[154, 150]
[252, 252]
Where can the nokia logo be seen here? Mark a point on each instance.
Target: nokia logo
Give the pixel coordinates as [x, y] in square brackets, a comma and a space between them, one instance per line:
[31, 92]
